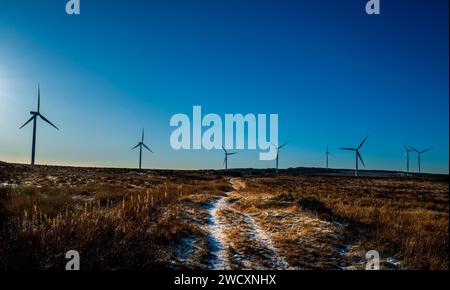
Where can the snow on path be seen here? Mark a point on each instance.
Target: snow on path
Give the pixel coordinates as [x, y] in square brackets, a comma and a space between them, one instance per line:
[216, 228]
[261, 237]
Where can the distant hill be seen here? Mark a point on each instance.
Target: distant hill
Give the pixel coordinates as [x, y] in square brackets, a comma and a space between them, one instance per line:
[239, 172]
[333, 172]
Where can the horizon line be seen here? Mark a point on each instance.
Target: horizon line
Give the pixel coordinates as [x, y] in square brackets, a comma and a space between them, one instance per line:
[213, 169]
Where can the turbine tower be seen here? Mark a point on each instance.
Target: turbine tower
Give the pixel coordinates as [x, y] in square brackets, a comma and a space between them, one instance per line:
[140, 145]
[419, 154]
[327, 154]
[34, 116]
[357, 155]
[408, 149]
[225, 161]
[278, 155]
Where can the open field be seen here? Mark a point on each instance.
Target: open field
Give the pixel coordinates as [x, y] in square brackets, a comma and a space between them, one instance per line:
[164, 219]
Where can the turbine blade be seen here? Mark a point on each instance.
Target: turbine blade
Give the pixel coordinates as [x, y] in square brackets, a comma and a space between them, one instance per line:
[224, 160]
[423, 151]
[414, 149]
[147, 147]
[352, 149]
[232, 153]
[39, 98]
[142, 139]
[360, 145]
[360, 158]
[136, 146]
[409, 148]
[29, 120]
[45, 119]
[224, 149]
[283, 145]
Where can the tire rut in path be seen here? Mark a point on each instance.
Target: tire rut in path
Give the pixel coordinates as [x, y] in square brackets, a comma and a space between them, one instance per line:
[223, 217]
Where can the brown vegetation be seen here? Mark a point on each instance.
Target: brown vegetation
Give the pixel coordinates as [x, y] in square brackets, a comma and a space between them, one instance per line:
[128, 219]
[117, 225]
[406, 218]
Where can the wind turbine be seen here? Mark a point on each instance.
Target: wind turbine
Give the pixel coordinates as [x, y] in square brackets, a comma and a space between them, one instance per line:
[34, 116]
[357, 155]
[408, 149]
[419, 153]
[225, 161]
[278, 155]
[140, 144]
[327, 153]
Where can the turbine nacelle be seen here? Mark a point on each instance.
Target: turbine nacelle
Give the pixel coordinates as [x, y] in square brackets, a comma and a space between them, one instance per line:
[419, 153]
[327, 155]
[278, 147]
[357, 155]
[225, 160]
[140, 145]
[34, 117]
[228, 153]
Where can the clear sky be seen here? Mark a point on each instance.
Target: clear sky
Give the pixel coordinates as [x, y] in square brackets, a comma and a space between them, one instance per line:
[331, 72]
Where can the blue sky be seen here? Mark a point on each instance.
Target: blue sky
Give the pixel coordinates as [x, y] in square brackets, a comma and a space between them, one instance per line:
[331, 72]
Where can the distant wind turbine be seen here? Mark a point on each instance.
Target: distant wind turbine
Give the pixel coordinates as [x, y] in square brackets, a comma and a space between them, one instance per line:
[357, 155]
[140, 145]
[225, 161]
[327, 154]
[408, 149]
[419, 154]
[278, 155]
[33, 118]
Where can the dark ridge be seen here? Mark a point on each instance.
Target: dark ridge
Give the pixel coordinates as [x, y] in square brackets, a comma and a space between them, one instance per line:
[237, 172]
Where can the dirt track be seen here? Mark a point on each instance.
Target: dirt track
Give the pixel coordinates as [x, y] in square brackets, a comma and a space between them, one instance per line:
[242, 235]
[231, 230]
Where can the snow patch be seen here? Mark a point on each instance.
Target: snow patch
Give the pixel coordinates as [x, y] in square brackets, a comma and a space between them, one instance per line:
[216, 239]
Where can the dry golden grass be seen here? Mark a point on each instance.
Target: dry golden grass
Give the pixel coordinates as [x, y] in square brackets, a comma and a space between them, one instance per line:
[126, 219]
[302, 240]
[405, 218]
[113, 226]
